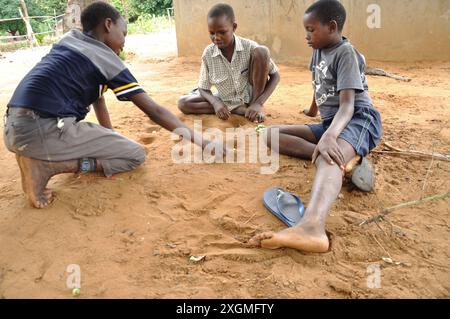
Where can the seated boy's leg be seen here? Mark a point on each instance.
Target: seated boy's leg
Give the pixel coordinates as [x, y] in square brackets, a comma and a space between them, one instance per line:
[295, 140]
[114, 152]
[195, 104]
[363, 132]
[310, 235]
[259, 74]
[259, 70]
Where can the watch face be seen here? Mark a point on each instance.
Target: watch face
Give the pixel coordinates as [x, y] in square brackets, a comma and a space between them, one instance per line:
[85, 166]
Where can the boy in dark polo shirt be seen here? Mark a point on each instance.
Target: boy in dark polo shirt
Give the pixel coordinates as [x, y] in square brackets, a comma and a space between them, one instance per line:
[43, 121]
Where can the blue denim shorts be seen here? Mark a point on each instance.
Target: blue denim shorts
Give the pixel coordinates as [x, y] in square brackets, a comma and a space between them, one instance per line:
[363, 132]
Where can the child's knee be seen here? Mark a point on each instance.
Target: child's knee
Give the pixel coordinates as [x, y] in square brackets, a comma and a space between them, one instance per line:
[139, 156]
[182, 104]
[321, 162]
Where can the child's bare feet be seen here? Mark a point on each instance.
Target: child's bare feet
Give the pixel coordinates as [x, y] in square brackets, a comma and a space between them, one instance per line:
[297, 238]
[242, 110]
[351, 165]
[48, 193]
[36, 174]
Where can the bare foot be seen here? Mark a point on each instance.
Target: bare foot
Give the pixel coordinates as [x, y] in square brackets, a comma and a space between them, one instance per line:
[35, 176]
[261, 118]
[296, 238]
[351, 165]
[241, 110]
[48, 193]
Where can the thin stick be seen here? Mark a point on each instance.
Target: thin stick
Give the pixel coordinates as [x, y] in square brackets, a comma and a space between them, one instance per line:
[381, 72]
[389, 255]
[250, 219]
[392, 148]
[428, 172]
[396, 150]
[386, 211]
[378, 225]
[35, 17]
[439, 157]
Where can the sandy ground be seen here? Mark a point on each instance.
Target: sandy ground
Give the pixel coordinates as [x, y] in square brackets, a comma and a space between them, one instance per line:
[132, 236]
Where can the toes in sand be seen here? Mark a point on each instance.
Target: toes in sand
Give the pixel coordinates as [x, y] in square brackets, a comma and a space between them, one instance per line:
[294, 238]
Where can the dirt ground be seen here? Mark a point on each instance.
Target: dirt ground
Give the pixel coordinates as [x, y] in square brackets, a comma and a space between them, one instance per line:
[132, 236]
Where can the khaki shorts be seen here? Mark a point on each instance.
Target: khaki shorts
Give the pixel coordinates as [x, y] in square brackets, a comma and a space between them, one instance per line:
[28, 134]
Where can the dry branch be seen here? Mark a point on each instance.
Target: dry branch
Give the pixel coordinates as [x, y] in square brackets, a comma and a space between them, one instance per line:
[399, 152]
[386, 211]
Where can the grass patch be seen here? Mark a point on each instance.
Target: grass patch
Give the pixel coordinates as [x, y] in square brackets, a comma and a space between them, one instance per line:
[147, 24]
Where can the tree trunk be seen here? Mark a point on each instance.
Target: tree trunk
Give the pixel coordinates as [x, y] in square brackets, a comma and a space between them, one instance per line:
[26, 19]
[72, 19]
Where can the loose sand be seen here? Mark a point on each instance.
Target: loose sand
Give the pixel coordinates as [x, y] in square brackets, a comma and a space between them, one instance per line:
[133, 236]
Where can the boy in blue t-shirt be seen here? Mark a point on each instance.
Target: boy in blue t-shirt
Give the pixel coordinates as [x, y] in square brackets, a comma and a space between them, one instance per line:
[43, 120]
[350, 128]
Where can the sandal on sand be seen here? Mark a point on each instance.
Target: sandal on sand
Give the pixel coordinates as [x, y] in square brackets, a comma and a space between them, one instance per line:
[285, 206]
[363, 176]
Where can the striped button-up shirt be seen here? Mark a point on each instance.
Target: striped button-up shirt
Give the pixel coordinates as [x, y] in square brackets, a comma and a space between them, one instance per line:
[230, 79]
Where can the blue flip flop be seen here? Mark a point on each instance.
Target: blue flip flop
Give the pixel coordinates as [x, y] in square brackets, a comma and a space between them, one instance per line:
[285, 206]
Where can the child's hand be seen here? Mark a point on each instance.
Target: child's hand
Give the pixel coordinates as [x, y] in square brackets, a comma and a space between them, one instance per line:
[311, 112]
[222, 111]
[254, 113]
[330, 151]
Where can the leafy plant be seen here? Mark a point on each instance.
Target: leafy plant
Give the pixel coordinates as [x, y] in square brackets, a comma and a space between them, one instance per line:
[40, 38]
[9, 9]
[147, 23]
[123, 55]
[136, 8]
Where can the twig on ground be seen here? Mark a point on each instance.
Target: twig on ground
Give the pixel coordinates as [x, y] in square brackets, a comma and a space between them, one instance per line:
[248, 221]
[392, 148]
[379, 227]
[428, 172]
[438, 157]
[381, 72]
[396, 151]
[386, 211]
[389, 255]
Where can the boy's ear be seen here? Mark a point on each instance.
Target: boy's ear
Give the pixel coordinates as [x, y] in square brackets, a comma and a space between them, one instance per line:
[108, 24]
[333, 26]
[234, 26]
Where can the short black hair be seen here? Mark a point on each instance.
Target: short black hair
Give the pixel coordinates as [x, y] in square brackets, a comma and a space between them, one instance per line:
[329, 10]
[96, 13]
[222, 9]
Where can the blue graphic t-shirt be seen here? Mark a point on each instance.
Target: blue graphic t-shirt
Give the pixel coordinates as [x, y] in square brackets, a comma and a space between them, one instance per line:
[334, 69]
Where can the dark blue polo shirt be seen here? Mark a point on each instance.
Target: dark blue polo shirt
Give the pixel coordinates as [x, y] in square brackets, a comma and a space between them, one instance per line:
[76, 73]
